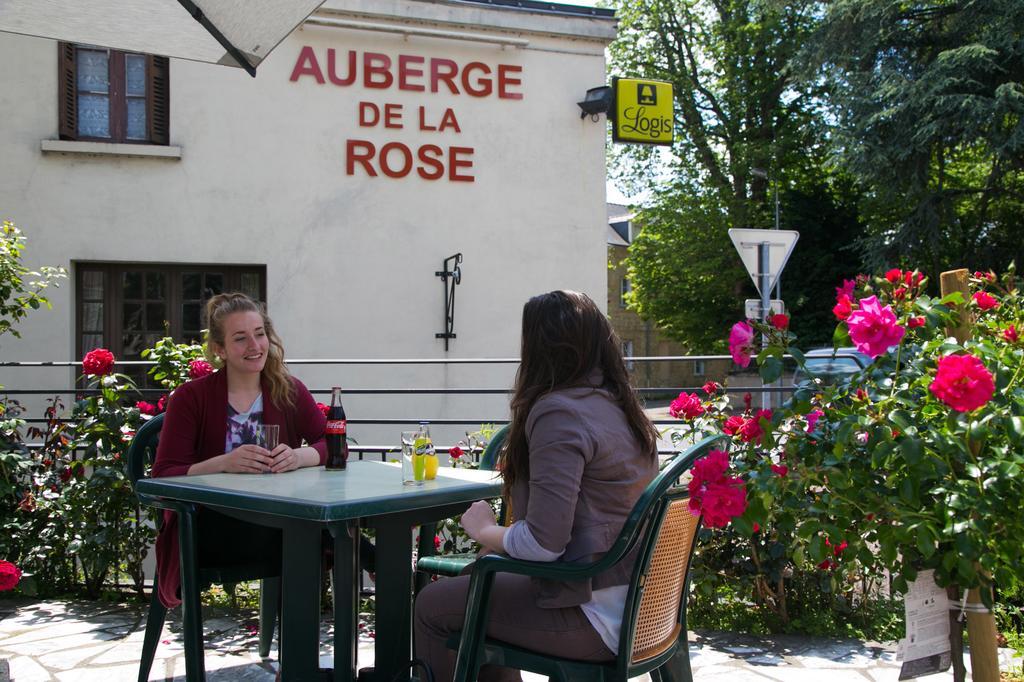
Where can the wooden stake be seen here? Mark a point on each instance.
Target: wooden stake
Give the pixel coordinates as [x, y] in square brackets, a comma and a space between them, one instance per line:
[981, 627]
[956, 280]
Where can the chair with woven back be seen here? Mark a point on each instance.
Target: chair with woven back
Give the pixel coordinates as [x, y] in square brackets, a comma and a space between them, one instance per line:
[141, 454]
[653, 637]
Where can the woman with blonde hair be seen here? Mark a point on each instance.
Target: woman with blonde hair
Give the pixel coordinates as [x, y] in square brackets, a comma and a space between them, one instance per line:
[209, 428]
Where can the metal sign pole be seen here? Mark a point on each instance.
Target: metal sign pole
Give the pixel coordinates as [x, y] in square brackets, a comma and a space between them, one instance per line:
[764, 278]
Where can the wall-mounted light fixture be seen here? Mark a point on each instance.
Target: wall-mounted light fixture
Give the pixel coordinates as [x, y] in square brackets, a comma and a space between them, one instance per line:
[597, 101]
[451, 275]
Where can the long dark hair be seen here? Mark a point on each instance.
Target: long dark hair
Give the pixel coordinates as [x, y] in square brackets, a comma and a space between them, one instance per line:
[566, 338]
[274, 371]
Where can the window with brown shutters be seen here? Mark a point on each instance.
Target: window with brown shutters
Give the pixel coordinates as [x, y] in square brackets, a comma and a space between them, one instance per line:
[127, 307]
[113, 96]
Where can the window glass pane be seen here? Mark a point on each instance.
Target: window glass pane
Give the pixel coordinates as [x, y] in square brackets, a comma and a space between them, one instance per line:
[136, 119]
[92, 71]
[132, 345]
[93, 116]
[131, 319]
[91, 341]
[190, 316]
[131, 283]
[155, 284]
[92, 317]
[135, 74]
[214, 284]
[251, 285]
[190, 283]
[155, 316]
[92, 285]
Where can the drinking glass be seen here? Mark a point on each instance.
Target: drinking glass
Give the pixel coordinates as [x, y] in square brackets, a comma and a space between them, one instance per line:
[269, 436]
[413, 466]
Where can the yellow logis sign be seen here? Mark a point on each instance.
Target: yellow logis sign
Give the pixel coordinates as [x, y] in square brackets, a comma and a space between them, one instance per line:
[643, 111]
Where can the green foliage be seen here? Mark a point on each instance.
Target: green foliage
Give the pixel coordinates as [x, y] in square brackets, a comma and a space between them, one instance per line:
[111, 533]
[928, 101]
[21, 290]
[172, 361]
[739, 107]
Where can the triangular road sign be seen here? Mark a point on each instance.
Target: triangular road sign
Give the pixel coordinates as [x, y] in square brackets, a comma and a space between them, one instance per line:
[780, 246]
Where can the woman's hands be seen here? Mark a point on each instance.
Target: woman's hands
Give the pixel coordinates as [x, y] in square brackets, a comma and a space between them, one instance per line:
[478, 517]
[247, 459]
[285, 459]
[480, 524]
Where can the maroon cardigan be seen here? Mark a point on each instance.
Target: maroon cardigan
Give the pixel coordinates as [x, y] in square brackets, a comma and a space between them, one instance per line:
[194, 430]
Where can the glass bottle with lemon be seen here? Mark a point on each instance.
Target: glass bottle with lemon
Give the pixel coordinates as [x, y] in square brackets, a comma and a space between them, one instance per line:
[424, 459]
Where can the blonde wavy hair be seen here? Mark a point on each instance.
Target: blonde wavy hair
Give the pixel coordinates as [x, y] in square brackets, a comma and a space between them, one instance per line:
[218, 308]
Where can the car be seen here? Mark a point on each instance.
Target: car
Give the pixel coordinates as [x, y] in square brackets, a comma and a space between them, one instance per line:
[831, 366]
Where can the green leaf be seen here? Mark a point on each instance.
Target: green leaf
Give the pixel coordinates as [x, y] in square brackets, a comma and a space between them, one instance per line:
[771, 369]
[913, 450]
[841, 336]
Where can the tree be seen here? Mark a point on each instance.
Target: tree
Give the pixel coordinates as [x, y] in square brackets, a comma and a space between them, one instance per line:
[738, 108]
[928, 97]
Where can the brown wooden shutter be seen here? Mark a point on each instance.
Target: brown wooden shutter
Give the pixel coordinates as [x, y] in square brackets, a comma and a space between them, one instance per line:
[67, 92]
[159, 100]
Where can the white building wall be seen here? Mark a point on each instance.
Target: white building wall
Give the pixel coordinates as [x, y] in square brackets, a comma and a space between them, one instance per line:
[350, 260]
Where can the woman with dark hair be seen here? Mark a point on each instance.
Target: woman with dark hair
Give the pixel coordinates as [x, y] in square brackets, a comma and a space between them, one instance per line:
[208, 429]
[580, 452]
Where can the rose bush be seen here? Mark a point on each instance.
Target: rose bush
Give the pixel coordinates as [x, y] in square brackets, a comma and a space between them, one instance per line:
[914, 463]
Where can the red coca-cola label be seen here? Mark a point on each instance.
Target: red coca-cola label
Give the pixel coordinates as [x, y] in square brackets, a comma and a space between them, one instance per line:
[336, 427]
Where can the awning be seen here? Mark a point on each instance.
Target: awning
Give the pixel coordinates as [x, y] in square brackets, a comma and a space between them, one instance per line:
[230, 32]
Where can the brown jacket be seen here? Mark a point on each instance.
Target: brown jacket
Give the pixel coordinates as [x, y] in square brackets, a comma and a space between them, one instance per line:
[586, 472]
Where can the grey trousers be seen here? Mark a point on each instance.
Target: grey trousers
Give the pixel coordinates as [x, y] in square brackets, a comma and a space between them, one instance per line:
[514, 617]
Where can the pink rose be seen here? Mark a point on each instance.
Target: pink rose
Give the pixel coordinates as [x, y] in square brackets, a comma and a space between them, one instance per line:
[98, 362]
[963, 382]
[780, 321]
[686, 406]
[843, 307]
[1010, 334]
[722, 501]
[985, 300]
[912, 278]
[9, 576]
[894, 276]
[987, 276]
[873, 328]
[741, 343]
[323, 408]
[781, 470]
[713, 494]
[846, 291]
[455, 452]
[812, 418]
[197, 369]
[161, 404]
[147, 408]
[732, 424]
[915, 322]
[712, 466]
[711, 387]
[752, 430]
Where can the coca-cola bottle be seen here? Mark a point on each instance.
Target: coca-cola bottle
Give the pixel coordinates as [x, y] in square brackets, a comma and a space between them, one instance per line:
[337, 437]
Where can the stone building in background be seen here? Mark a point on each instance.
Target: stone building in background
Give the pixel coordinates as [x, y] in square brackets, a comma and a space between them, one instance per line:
[642, 338]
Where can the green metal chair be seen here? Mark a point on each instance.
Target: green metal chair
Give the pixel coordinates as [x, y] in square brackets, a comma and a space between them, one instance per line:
[454, 564]
[653, 636]
[141, 454]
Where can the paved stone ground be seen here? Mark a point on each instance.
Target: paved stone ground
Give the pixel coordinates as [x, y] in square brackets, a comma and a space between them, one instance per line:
[86, 641]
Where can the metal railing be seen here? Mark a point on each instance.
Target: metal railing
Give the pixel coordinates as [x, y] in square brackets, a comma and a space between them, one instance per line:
[664, 392]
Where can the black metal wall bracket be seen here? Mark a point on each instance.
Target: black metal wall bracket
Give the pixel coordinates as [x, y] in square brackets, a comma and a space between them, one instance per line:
[453, 273]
